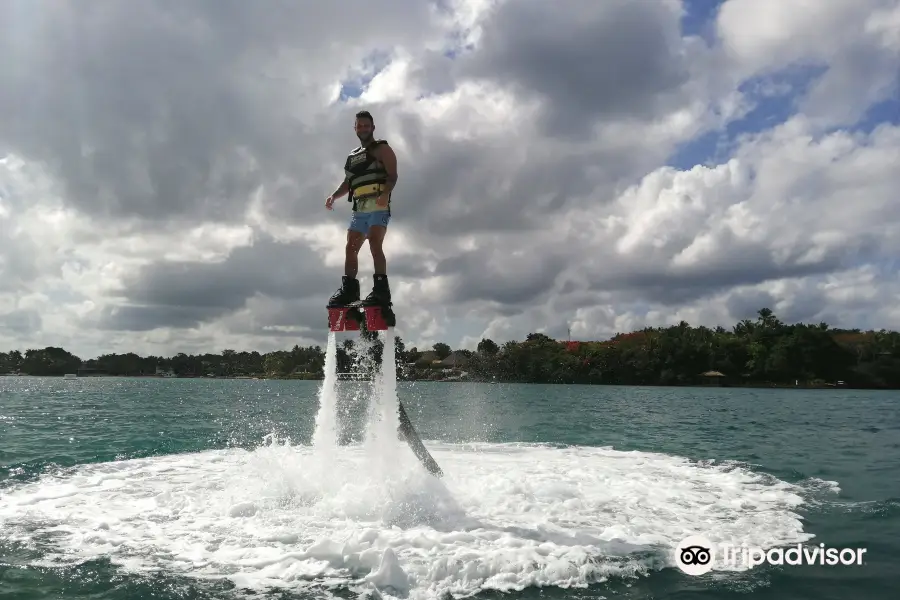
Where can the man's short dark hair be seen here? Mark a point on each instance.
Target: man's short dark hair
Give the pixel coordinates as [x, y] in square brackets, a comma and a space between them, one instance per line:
[364, 114]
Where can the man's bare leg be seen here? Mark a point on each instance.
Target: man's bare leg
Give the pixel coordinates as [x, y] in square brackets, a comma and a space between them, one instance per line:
[381, 291]
[355, 241]
[376, 245]
[349, 290]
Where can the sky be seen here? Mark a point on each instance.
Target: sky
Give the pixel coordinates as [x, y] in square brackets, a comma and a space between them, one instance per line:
[570, 168]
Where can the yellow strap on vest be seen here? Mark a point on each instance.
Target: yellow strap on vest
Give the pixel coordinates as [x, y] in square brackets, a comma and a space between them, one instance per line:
[368, 190]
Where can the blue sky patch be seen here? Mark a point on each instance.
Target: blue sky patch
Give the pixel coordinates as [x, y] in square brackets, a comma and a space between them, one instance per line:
[773, 99]
[885, 112]
[700, 18]
[372, 65]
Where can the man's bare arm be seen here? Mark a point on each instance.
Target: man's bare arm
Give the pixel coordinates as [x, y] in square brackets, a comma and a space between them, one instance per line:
[342, 189]
[389, 160]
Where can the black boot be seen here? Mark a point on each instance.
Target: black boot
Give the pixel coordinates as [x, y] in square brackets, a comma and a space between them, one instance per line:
[380, 294]
[347, 293]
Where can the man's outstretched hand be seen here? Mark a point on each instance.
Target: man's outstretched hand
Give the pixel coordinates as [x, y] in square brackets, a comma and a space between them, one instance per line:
[329, 202]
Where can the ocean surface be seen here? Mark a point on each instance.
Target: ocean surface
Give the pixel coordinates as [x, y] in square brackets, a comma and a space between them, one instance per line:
[118, 488]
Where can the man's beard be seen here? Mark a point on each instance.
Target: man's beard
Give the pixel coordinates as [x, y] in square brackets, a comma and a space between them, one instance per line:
[365, 139]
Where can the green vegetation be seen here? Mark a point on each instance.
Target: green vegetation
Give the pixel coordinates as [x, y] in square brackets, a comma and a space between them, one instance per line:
[764, 351]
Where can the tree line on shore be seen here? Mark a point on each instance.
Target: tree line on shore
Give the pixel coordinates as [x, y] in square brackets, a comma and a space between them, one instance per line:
[764, 351]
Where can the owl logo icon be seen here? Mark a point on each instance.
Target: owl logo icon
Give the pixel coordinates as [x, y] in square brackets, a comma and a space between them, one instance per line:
[695, 554]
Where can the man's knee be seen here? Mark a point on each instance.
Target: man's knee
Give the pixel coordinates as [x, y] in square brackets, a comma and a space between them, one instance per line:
[355, 241]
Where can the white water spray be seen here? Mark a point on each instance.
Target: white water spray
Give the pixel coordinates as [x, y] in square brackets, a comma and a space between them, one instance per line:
[390, 405]
[381, 443]
[325, 435]
[381, 440]
[517, 516]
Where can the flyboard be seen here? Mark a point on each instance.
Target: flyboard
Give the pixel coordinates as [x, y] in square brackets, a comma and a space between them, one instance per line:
[358, 316]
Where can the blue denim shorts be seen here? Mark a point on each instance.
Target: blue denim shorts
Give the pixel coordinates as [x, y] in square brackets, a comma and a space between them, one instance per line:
[361, 221]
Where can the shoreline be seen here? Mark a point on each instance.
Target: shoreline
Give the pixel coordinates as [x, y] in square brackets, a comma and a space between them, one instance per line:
[767, 385]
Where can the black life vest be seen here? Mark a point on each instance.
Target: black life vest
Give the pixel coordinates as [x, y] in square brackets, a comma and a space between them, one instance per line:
[366, 176]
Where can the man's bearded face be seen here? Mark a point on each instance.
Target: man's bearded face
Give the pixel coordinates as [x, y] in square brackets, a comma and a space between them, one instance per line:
[364, 130]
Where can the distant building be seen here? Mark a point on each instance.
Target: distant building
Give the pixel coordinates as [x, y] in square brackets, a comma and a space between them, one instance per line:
[456, 360]
[90, 372]
[714, 378]
[427, 359]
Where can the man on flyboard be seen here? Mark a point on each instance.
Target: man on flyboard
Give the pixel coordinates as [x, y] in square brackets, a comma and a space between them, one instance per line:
[370, 176]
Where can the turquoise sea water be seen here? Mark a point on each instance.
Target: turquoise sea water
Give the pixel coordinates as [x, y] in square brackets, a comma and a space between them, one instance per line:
[170, 488]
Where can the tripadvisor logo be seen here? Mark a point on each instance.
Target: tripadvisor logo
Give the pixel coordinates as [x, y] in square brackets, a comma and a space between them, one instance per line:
[696, 555]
